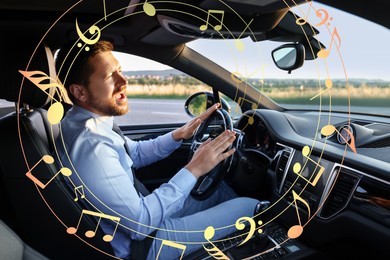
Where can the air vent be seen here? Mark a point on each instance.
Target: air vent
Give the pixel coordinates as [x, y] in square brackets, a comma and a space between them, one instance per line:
[341, 193]
[283, 160]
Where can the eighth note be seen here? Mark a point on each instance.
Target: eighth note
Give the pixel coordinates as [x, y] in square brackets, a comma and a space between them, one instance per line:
[77, 190]
[296, 231]
[216, 27]
[325, 53]
[297, 167]
[328, 85]
[48, 160]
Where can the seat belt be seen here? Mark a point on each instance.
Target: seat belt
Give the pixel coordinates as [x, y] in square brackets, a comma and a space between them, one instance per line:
[139, 186]
[139, 248]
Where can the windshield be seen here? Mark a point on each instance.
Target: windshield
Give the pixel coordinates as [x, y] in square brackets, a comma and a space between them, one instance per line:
[353, 75]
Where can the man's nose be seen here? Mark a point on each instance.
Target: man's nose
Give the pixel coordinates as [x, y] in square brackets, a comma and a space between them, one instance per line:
[120, 79]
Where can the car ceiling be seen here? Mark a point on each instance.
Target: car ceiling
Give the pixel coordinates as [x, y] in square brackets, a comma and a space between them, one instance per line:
[156, 37]
[41, 14]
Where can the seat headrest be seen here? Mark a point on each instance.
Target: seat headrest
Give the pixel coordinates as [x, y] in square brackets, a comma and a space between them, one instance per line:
[28, 74]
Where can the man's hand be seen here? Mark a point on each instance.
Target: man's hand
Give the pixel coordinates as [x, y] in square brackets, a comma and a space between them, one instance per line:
[188, 130]
[210, 153]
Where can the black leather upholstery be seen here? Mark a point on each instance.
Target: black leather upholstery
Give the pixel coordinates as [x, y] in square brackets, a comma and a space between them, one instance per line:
[40, 216]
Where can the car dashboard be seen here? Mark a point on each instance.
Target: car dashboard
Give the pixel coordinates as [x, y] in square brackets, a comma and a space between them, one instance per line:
[327, 178]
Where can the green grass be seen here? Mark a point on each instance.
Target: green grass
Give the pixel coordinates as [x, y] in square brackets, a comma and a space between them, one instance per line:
[369, 102]
[170, 96]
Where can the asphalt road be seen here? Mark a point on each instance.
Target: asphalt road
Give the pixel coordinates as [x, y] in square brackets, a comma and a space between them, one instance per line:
[154, 111]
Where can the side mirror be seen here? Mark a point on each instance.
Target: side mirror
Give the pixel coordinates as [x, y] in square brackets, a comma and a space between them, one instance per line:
[289, 56]
[199, 102]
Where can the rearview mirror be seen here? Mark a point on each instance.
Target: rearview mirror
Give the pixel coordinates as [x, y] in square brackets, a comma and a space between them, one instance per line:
[199, 102]
[289, 56]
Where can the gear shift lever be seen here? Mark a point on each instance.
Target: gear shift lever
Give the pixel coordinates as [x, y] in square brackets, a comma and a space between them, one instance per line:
[260, 207]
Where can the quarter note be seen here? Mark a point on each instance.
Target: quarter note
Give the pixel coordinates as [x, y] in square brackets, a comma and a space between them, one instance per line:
[297, 167]
[149, 9]
[216, 27]
[48, 160]
[172, 244]
[92, 233]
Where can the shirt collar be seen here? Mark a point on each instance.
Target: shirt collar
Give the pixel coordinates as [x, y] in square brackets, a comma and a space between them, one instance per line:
[107, 120]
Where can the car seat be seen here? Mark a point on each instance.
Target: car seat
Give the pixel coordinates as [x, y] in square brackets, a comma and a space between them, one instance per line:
[13, 248]
[39, 214]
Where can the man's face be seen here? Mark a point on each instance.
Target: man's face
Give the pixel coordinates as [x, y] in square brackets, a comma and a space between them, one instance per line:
[106, 90]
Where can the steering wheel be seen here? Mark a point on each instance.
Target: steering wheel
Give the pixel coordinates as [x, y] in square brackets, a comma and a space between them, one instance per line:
[213, 126]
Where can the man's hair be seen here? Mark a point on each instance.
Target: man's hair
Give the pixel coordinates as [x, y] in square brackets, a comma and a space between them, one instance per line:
[73, 63]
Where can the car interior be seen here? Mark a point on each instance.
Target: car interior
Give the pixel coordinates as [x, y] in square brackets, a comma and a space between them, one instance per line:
[328, 186]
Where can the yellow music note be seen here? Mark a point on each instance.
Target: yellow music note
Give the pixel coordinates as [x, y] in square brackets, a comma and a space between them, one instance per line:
[48, 160]
[328, 85]
[56, 110]
[236, 77]
[238, 42]
[328, 130]
[240, 102]
[149, 9]
[104, 8]
[296, 231]
[303, 20]
[77, 190]
[214, 251]
[216, 27]
[297, 167]
[172, 244]
[92, 30]
[323, 53]
[240, 226]
[92, 233]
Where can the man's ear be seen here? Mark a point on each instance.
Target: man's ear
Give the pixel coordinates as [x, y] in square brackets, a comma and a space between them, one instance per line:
[79, 92]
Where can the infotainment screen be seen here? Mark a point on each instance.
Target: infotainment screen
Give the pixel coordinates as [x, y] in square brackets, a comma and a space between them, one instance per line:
[307, 173]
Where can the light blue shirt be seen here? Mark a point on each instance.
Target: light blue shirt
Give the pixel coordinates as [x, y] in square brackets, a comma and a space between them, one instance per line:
[96, 155]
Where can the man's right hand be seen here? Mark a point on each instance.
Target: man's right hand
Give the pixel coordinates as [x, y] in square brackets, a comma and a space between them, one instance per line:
[210, 153]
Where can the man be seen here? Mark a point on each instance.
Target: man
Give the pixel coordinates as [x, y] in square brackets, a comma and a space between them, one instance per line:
[99, 161]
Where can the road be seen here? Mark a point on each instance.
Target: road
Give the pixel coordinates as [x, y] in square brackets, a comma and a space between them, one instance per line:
[154, 111]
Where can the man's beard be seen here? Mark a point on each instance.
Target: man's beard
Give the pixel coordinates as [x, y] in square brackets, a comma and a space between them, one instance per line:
[111, 109]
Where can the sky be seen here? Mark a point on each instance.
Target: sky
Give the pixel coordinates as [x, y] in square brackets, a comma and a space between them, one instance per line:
[353, 59]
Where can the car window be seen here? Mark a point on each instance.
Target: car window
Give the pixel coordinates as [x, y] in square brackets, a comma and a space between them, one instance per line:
[157, 92]
[351, 76]
[6, 107]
